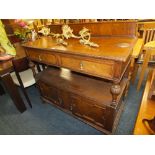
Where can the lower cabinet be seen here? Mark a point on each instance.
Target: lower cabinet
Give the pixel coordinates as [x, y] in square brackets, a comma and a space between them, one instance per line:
[72, 95]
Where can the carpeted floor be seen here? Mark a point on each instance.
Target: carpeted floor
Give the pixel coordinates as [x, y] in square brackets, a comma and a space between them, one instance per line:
[44, 119]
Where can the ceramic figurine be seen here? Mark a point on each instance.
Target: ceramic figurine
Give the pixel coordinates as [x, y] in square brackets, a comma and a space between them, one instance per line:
[34, 35]
[85, 38]
[45, 31]
[61, 41]
[67, 32]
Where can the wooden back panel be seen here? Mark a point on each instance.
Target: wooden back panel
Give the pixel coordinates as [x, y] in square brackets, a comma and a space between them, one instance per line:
[148, 31]
[20, 64]
[148, 35]
[107, 28]
[146, 25]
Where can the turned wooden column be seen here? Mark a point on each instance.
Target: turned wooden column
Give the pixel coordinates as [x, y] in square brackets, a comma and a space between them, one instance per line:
[115, 91]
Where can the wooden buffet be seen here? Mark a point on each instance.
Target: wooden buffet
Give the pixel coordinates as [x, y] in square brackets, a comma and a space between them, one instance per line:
[95, 92]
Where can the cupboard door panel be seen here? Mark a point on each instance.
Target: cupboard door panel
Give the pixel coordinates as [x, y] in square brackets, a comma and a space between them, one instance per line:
[88, 110]
[64, 99]
[49, 92]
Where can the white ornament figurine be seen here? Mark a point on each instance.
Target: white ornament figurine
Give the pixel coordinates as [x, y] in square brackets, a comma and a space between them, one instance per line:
[85, 38]
[34, 35]
[67, 32]
[45, 31]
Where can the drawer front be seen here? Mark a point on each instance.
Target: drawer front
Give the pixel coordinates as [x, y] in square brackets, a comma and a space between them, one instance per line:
[88, 110]
[100, 69]
[42, 57]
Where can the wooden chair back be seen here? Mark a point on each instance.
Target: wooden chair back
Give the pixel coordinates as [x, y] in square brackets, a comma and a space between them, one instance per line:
[21, 64]
[148, 30]
[149, 53]
[148, 35]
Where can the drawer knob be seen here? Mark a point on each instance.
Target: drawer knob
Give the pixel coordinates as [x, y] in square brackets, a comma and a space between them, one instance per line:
[40, 58]
[81, 65]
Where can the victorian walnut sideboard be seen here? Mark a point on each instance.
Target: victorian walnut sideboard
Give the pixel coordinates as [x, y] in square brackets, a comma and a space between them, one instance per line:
[107, 66]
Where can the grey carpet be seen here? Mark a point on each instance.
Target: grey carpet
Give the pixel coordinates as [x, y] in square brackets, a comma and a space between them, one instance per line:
[44, 119]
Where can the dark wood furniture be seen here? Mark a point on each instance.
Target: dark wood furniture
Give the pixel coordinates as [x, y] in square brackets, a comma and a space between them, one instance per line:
[19, 66]
[84, 97]
[5, 69]
[110, 61]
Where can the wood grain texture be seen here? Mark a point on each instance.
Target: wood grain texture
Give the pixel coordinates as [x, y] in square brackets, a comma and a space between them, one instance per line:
[108, 47]
[107, 28]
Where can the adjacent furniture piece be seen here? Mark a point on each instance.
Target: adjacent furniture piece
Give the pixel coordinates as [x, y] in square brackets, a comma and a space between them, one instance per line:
[146, 111]
[109, 62]
[152, 86]
[5, 69]
[147, 30]
[23, 76]
[150, 52]
[137, 50]
[147, 34]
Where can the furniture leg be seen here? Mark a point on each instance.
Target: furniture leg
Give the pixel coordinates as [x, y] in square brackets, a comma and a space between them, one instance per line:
[13, 92]
[38, 67]
[43, 66]
[151, 124]
[144, 66]
[152, 85]
[115, 91]
[134, 74]
[129, 76]
[1, 90]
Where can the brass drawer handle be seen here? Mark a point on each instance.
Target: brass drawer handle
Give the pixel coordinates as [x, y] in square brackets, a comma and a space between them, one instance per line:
[81, 65]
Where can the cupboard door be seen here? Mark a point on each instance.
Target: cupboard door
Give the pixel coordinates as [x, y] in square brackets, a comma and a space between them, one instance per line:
[49, 92]
[64, 99]
[88, 110]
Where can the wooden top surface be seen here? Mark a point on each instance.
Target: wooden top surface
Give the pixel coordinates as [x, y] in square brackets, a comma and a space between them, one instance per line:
[109, 47]
[147, 110]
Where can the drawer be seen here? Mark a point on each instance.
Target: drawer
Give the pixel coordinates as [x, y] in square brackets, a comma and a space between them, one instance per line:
[97, 68]
[88, 110]
[43, 57]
